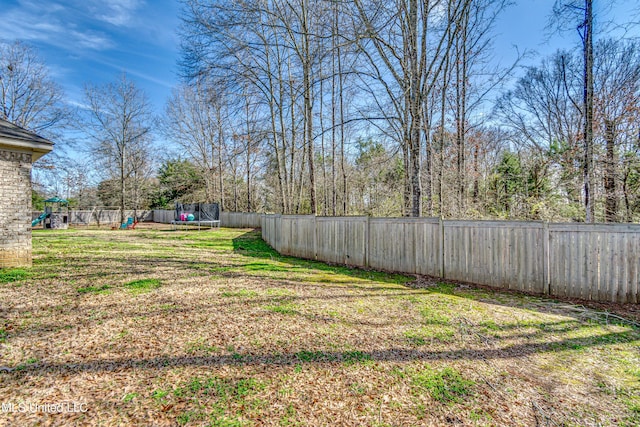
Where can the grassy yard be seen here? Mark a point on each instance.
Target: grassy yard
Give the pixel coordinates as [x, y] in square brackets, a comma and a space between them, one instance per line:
[158, 327]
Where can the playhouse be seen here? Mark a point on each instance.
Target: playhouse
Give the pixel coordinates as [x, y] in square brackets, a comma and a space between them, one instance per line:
[19, 148]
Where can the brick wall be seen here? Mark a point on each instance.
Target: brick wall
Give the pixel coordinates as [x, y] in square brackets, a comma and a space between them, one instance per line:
[15, 209]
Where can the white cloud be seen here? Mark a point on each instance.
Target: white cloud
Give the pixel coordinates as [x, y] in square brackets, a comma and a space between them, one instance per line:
[92, 41]
[120, 13]
[133, 72]
[51, 24]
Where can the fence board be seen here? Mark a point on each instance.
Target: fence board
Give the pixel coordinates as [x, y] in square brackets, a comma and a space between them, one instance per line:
[428, 241]
[600, 262]
[390, 248]
[494, 254]
[269, 225]
[240, 219]
[342, 240]
[297, 236]
[164, 216]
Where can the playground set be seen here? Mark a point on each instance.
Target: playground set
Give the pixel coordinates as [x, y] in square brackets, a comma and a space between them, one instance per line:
[129, 224]
[55, 216]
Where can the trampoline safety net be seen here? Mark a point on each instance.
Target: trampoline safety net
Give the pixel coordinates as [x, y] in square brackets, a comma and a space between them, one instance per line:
[200, 211]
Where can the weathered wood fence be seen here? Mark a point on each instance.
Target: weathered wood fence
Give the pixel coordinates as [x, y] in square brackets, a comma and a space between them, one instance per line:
[594, 262]
[227, 219]
[164, 216]
[101, 216]
[240, 219]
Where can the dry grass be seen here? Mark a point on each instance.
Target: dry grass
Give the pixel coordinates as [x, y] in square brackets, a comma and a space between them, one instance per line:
[153, 327]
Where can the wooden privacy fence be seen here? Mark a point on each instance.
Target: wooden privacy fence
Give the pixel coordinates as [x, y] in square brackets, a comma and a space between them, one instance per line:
[227, 219]
[164, 216]
[101, 216]
[595, 262]
[240, 219]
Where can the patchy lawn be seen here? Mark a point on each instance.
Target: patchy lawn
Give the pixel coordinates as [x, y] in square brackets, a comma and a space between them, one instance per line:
[158, 327]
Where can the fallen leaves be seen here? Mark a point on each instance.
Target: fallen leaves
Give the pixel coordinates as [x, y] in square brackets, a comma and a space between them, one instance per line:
[290, 342]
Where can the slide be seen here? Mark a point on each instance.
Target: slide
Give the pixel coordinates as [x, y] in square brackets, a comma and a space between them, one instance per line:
[37, 221]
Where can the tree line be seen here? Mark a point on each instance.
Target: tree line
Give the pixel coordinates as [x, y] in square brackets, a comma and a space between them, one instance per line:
[377, 107]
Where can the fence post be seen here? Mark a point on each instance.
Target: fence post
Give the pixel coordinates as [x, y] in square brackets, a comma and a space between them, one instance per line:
[367, 241]
[546, 267]
[315, 238]
[277, 232]
[441, 225]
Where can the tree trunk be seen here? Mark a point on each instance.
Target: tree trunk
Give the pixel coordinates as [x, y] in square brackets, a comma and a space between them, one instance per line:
[335, 51]
[611, 204]
[588, 111]
[220, 143]
[476, 174]
[625, 192]
[345, 197]
[461, 108]
[325, 201]
[308, 103]
[122, 185]
[274, 131]
[415, 100]
[429, 166]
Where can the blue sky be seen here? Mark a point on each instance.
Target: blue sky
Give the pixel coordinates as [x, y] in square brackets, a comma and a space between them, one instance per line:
[525, 25]
[93, 41]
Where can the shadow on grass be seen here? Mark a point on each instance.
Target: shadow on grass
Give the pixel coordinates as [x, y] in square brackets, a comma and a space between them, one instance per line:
[119, 310]
[250, 244]
[320, 357]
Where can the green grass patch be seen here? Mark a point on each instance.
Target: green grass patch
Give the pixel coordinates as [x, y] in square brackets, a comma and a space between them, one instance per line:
[225, 398]
[312, 356]
[29, 362]
[355, 357]
[434, 316]
[3, 335]
[191, 417]
[103, 289]
[445, 385]
[240, 293]
[443, 288]
[427, 334]
[129, 397]
[266, 267]
[14, 275]
[143, 285]
[280, 292]
[160, 394]
[286, 308]
[200, 346]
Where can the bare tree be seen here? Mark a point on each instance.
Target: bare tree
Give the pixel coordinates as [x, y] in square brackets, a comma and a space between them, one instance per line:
[28, 95]
[193, 120]
[118, 123]
[580, 12]
[540, 111]
[617, 101]
[407, 44]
